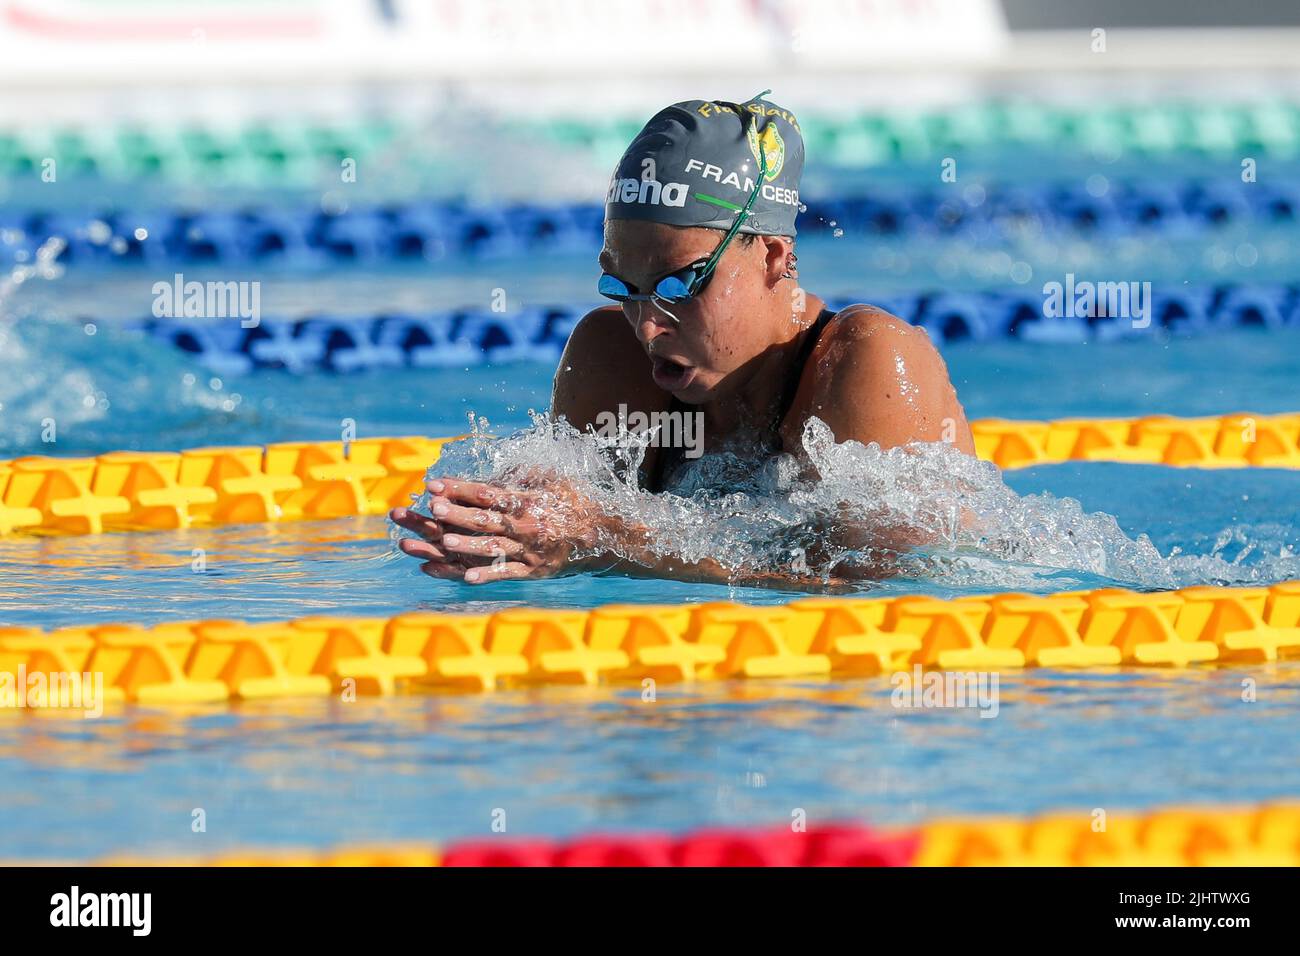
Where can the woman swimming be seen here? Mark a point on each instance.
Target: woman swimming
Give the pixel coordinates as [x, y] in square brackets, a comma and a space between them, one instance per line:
[710, 321]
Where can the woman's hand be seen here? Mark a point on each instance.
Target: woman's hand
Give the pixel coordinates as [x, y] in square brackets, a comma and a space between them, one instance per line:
[481, 532]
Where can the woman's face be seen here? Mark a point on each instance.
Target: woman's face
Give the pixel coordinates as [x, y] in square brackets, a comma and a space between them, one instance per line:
[695, 344]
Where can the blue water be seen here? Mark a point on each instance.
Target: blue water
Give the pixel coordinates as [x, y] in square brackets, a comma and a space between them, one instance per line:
[564, 761]
[268, 572]
[1248, 518]
[109, 388]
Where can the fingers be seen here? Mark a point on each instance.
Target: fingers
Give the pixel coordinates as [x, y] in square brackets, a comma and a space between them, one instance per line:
[510, 570]
[483, 546]
[479, 508]
[447, 572]
[421, 549]
[478, 520]
[473, 493]
[425, 527]
[478, 557]
[477, 494]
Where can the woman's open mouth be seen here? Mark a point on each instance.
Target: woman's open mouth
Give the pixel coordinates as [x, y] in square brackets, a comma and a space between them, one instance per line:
[671, 376]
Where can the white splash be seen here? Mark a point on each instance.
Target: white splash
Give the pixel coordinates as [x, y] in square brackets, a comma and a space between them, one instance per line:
[926, 512]
[46, 266]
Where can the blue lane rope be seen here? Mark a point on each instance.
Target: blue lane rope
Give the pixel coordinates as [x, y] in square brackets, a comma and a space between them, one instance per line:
[468, 337]
[432, 230]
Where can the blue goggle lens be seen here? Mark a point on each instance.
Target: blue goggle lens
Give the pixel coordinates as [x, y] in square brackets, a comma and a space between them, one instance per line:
[674, 288]
[613, 287]
[677, 287]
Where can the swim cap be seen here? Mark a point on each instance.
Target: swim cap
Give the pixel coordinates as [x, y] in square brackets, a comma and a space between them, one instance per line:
[695, 164]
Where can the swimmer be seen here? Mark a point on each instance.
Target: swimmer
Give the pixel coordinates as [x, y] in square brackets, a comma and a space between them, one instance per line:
[708, 317]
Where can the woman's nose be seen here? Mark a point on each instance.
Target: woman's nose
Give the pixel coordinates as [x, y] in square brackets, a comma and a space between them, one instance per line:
[649, 320]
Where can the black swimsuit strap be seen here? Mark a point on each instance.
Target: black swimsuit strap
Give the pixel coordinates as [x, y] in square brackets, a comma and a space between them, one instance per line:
[805, 352]
[791, 388]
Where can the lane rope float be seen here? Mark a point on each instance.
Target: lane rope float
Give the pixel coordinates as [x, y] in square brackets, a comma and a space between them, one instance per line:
[1263, 835]
[203, 487]
[215, 661]
[301, 151]
[418, 232]
[461, 338]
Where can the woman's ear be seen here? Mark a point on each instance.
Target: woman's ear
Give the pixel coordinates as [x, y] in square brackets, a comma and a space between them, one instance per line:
[778, 258]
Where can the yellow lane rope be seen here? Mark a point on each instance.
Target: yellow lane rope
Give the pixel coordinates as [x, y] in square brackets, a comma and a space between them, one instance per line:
[214, 661]
[128, 490]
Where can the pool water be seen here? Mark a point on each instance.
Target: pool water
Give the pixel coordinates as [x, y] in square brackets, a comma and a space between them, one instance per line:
[65, 354]
[1248, 520]
[1245, 525]
[563, 761]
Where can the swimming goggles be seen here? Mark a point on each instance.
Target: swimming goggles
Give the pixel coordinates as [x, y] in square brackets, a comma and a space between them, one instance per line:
[690, 281]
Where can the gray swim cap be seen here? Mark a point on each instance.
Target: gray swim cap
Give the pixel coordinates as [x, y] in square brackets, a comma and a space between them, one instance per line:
[695, 164]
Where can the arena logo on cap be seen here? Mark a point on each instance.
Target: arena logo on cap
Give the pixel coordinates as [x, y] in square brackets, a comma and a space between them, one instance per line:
[647, 192]
[773, 149]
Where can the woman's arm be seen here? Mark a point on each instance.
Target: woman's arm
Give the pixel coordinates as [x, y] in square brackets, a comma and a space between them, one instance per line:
[604, 375]
[481, 532]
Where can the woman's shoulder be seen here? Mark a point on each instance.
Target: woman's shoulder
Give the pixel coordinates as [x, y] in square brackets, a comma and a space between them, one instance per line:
[861, 320]
[603, 367]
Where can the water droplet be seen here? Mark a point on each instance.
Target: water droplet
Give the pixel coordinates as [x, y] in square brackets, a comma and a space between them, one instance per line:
[98, 232]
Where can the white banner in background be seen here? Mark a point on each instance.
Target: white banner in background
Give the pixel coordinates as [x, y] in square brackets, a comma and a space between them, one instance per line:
[71, 42]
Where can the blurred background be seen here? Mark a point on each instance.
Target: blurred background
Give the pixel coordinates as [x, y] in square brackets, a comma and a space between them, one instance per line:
[416, 187]
[406, 157]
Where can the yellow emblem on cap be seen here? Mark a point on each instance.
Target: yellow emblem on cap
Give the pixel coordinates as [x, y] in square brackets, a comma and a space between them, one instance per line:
[773, 149]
